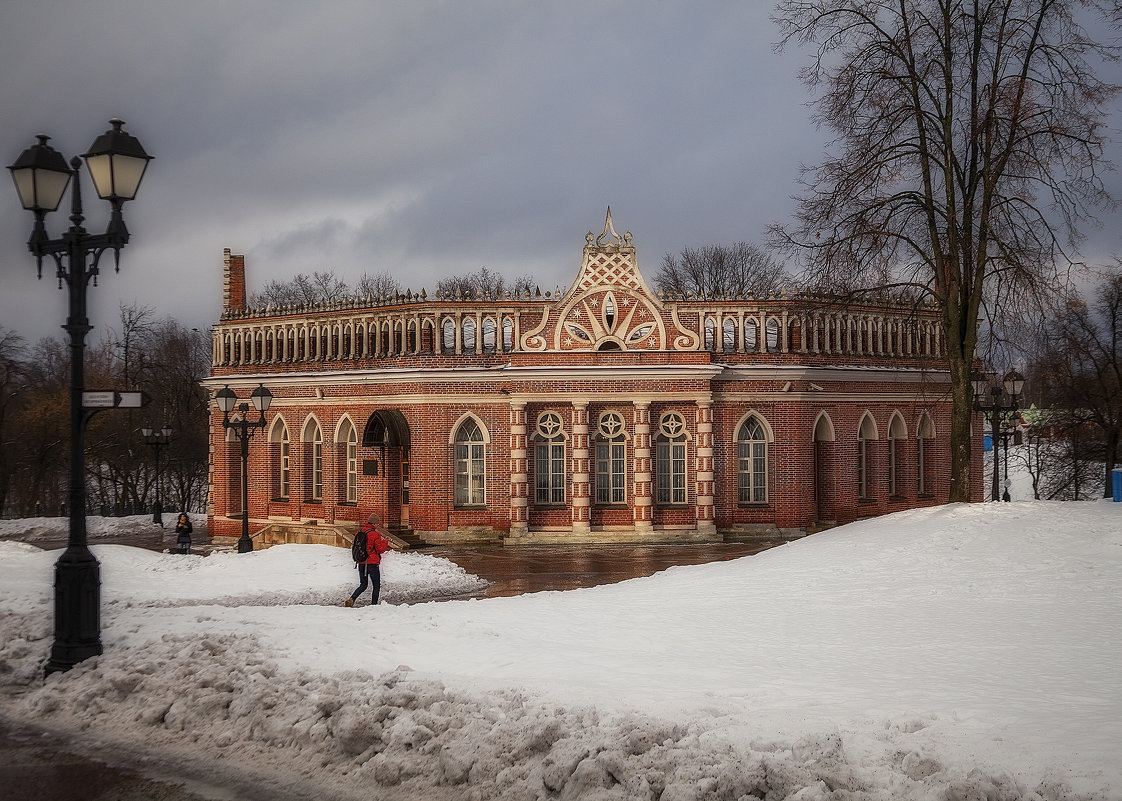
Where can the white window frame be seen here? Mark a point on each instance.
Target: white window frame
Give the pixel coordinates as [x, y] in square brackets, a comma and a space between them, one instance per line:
[549, 461]
[470, 454]
[752, 462]
[611, 461]
[670, 461]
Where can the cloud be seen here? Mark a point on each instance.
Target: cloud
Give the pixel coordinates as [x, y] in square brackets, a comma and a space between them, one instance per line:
[423, 138]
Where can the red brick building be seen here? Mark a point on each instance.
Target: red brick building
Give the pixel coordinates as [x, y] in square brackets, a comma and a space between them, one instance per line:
[604, 413]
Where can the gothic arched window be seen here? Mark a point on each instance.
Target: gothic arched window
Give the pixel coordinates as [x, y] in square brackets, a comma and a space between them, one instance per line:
[549, 460]
[751, 447]
[611, 460]
[469, 453]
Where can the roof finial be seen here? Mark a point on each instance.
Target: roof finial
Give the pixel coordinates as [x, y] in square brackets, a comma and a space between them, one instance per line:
[609, 229]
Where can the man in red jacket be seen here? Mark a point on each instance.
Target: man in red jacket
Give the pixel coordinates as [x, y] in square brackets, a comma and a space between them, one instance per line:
[376, 545]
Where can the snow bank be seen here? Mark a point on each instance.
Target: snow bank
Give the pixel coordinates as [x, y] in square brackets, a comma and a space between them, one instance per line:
[963, 652]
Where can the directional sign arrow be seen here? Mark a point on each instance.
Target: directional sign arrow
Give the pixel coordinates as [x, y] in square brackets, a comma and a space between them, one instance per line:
[131, 400]
[114, 399]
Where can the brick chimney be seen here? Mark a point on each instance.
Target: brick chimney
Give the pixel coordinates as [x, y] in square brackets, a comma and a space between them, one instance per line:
[233, 280]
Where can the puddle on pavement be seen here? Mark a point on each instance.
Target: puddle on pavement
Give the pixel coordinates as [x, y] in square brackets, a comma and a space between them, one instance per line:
[521, 569]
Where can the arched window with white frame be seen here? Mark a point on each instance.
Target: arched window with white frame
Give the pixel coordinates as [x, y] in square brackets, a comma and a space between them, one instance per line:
[281, 460]
[469, 451]
[611, 460]
[347, 439]
[313, 461]
[670, 461]
[752, 467]
[549, 460]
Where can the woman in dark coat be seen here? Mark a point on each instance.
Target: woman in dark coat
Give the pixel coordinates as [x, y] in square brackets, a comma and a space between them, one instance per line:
[183, 533]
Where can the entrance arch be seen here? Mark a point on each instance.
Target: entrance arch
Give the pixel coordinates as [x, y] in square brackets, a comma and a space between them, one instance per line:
[387, 433]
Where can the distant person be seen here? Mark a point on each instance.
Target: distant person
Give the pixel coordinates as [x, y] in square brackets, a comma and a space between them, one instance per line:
[367, 553]
[183, 533]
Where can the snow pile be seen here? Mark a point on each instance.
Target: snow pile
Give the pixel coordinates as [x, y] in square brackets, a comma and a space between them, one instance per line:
[962, 652]
[281, 575]
[35, 529]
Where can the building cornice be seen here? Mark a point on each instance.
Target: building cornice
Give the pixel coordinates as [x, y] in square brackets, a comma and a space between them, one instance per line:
[660, 372]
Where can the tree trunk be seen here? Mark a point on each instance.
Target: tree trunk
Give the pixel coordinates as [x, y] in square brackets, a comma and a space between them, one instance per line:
[962, 416]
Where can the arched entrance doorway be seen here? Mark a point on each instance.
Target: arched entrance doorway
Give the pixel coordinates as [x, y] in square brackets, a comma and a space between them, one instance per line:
[387, 434]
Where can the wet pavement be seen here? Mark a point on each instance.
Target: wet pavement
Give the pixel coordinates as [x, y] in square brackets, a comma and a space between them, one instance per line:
[538, 568]
[35, 766]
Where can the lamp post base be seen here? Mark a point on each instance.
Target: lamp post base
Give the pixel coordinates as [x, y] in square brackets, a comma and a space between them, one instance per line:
[245, 545]
[77, 610]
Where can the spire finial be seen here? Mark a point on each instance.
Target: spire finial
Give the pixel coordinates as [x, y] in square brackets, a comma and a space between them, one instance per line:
[609, 230]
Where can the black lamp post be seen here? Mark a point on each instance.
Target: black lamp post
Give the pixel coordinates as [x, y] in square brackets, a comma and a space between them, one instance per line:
[243, 428]
[116, 163]
[157, 439]
[998, 402]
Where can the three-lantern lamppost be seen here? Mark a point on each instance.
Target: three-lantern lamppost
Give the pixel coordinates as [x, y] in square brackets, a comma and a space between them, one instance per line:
[998, 401]
[156, 440]
[116, 163]
[243, 429]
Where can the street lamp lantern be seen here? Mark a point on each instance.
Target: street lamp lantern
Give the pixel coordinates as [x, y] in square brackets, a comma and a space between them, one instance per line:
[41, 175]
[157, 439]
[1013, 383]
[243, 429]
[998, 401]
[226, 399]
[262, 399]
[116, 162]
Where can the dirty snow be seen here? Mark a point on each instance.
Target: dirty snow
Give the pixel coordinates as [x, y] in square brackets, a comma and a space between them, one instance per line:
[961, 652]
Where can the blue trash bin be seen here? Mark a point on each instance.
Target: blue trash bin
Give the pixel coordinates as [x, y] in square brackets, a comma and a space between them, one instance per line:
[1116, 484]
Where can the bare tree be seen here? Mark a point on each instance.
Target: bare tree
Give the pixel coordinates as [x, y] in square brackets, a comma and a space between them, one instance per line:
[302, 290]
[484, 284]
[36, 430]
[739, 269]
[180, 359]
[969, 151]
[1080, 366]
[13, 385]
[378, 285]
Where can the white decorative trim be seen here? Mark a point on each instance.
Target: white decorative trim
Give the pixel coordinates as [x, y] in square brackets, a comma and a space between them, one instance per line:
[831, 436]
[460, 421]
[769, 435]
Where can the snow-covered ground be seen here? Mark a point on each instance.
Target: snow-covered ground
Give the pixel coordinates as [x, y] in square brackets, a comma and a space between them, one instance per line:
[961, 652]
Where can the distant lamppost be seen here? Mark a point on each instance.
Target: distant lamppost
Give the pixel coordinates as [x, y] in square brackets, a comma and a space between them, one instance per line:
[157, 439]
[998, 402]
[244, 428]
[116, 163]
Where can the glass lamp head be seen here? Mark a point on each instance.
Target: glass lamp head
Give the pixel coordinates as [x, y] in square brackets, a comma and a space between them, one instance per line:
[1014, 382]
[116, 162]
[41, 175]
[226, 399]
[261, 398]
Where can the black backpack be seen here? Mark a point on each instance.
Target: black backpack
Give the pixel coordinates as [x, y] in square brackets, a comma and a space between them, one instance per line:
[359, 552]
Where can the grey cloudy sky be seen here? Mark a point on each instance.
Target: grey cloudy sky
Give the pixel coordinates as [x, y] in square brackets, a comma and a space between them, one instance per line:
[423, 138]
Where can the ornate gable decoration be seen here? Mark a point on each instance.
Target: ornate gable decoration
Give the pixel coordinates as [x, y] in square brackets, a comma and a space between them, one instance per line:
[608, 307]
